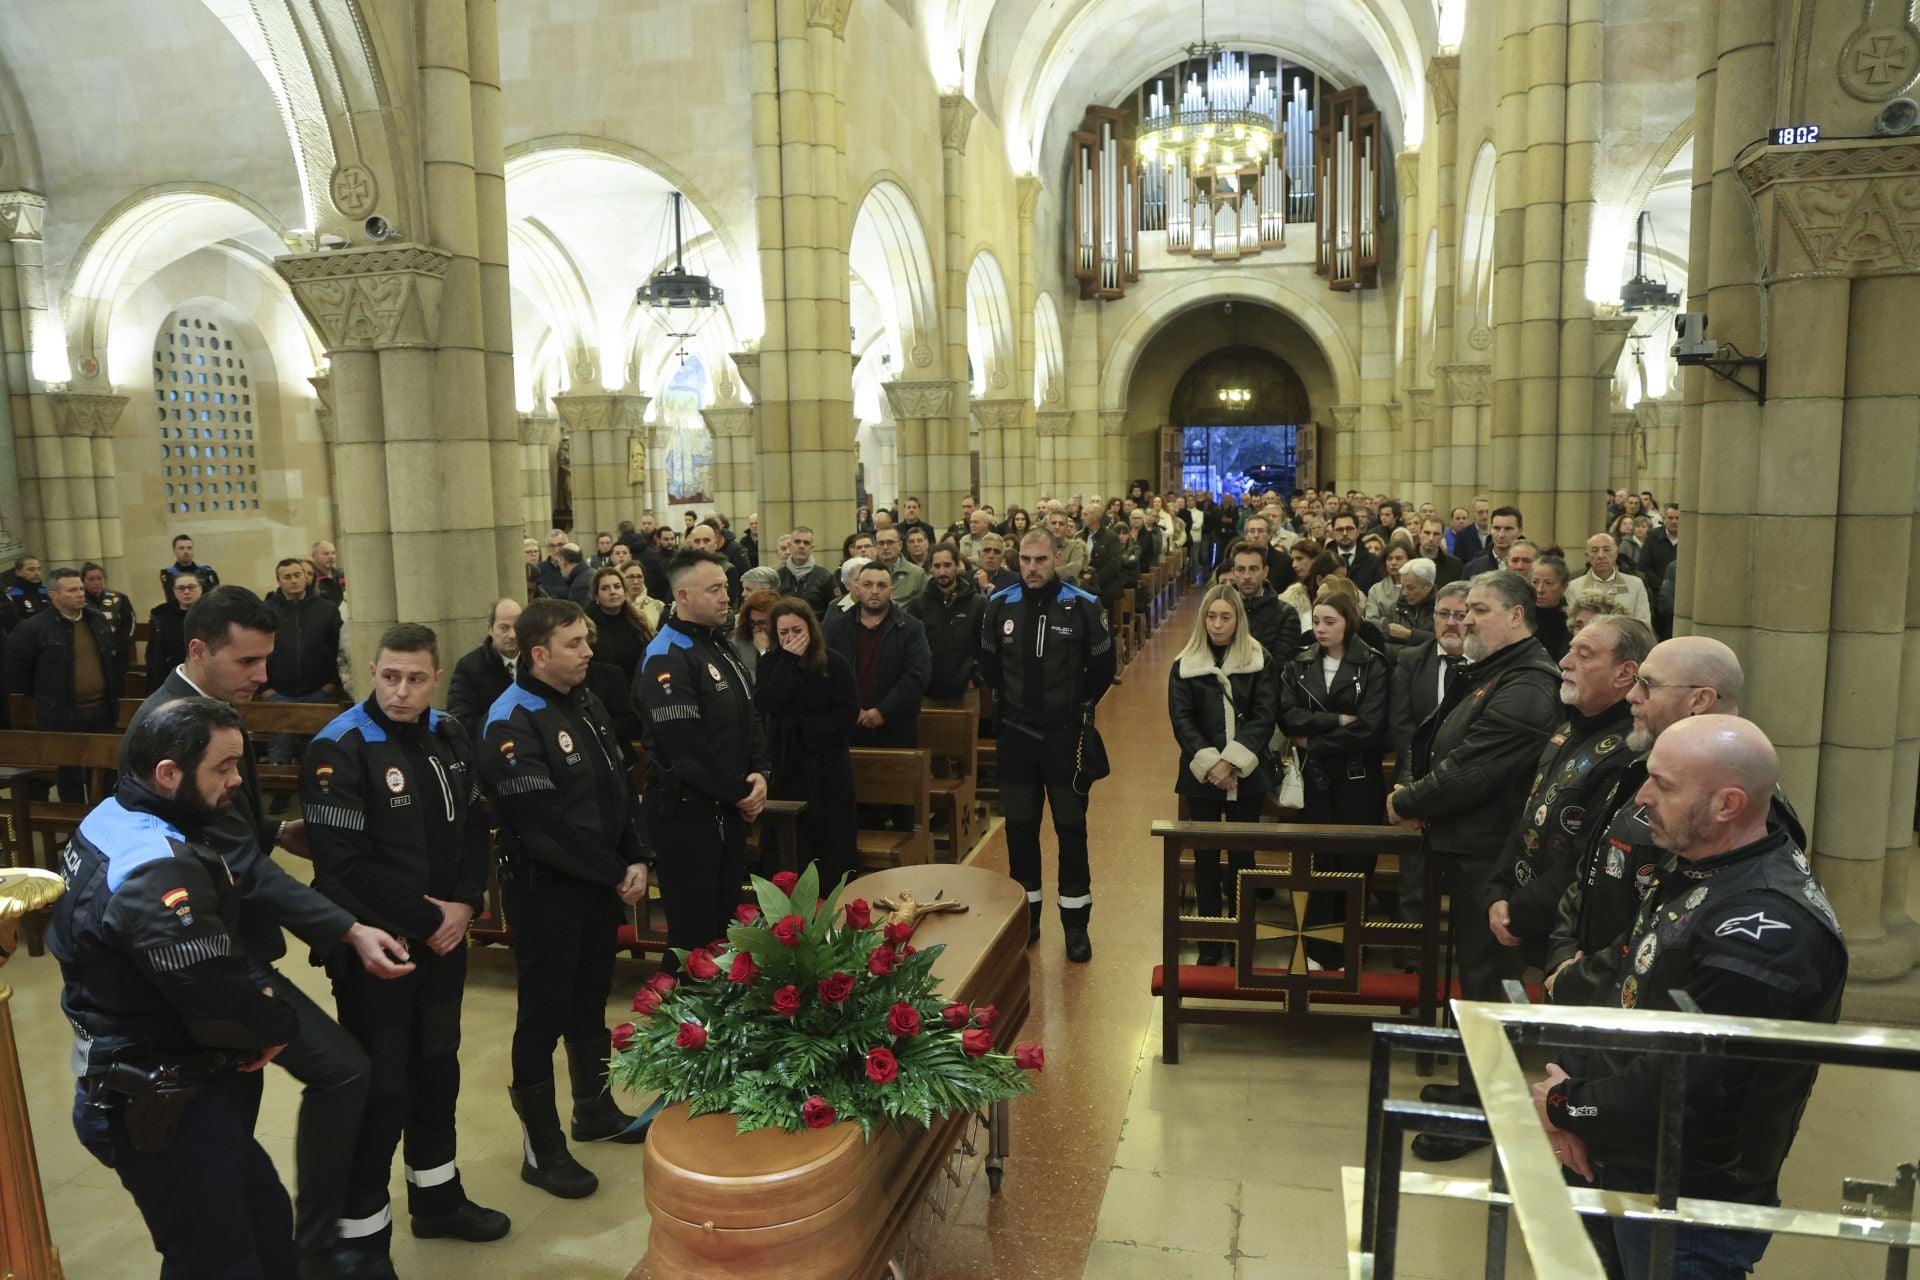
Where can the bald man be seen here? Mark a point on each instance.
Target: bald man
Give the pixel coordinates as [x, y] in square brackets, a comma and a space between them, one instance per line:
[484, 673]
[1739, 922]
[1683, 677]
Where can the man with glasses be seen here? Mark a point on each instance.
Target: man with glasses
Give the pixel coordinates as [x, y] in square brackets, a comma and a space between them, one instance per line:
[1363, 567]
[1472, 761]
[909, 579]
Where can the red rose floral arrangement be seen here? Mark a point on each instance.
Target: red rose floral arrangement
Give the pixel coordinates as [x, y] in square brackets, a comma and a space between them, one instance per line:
[804, 1016]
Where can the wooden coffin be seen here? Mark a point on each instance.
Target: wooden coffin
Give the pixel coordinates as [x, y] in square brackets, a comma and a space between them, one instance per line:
[826, 1204]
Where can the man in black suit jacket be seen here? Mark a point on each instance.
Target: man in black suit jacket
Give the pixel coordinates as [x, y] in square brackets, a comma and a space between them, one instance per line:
[1420, 682]
[1102, 576]
[1363, 567]
[1463, 537]
[1505, 531]
[1433, 545]
[484, 673]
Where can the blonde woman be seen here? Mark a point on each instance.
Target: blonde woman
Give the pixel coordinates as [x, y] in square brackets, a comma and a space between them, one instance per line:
[1223, 698]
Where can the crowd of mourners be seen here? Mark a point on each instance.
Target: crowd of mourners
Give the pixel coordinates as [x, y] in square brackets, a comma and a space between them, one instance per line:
[1598, 815]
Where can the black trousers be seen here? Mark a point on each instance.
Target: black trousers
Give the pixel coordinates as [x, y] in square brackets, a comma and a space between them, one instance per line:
[1207, 887]
[72, 782]
[702, 860]
[1480, 962]
[1347, 802]
[212, 1202]
[1035, 772]
[410, 1027]
[333, 1074]
[563, 943]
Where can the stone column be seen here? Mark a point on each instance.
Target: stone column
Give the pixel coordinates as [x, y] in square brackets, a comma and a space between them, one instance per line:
[805, 389]
[1443, 85]
[1400, 457]
[659, 440]
[411, 455]
[1341, 463]
[59, 466]
[734, 482]
[1584, 448]
[1499, 473]
[1580, 466]
[1534, 430]
[609, 459]
[22, 215]
[1004, 478]
[949, 448]
[1021, 462]
[1053, 437]
[1470, 405]
[922, 412]
[539, 434]
[882, 461]
[1659, 425]
[1420, 435]
[1111, 461]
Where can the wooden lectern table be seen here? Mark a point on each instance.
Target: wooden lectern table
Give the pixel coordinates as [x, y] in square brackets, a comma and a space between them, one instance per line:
[826, 1204]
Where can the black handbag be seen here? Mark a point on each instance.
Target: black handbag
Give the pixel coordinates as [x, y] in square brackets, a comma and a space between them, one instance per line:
[1090, 763]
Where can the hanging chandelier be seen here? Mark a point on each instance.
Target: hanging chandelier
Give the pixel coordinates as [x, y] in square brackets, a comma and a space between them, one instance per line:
[1223, 121]
[678, 300]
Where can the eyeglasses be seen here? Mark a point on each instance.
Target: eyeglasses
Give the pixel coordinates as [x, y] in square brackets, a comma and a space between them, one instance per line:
[1450, 615]
[1648, 686]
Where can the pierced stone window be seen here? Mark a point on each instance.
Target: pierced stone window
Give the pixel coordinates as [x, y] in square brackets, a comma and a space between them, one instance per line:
[185, 330]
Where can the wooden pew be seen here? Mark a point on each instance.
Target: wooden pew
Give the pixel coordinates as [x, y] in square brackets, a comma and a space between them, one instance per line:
[1125, 616]
[952, 735]
[31, 756]
[986, 750]
[1292, 859]
[902, 778]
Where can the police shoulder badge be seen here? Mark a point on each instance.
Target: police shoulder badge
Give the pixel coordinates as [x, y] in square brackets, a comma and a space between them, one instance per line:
[175, 900]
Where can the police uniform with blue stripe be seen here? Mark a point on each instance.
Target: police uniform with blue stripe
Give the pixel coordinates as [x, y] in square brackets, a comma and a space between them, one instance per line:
[702, 739]
[394, 822]
[1049, 656]
[569, 829]
[165, 1001]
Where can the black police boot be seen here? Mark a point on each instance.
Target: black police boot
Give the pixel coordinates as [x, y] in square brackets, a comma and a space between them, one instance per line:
[1212, 953]
[1079, 946]
[547, 1164]
[1453, 1095]
[1033, 922]
[1436, 1148]
[467, 1222]
[596, 1118]
[341, 1262]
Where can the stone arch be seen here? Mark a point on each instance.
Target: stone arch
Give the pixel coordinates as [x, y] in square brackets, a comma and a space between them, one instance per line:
[1475, 295]
[141, 236]
[989, 326]
[19, 149]
[1049, 352]
[1227, 286]
[888, 252]
[545, 273]
[324, 62]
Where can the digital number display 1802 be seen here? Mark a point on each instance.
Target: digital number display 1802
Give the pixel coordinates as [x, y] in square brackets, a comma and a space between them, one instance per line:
[1795, 135]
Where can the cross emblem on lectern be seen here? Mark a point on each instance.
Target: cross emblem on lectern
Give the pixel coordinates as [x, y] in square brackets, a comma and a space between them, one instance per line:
[1880, 60]
[1334, 931]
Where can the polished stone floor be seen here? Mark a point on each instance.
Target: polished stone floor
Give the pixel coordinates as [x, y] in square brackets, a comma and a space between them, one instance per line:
[1224, 1166]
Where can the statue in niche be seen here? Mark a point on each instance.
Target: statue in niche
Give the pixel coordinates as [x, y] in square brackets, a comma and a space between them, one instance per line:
[563, 482]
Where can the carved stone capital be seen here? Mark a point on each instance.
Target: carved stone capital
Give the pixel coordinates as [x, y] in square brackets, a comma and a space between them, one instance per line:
[322, 383]
[1000, 415]
[1397, 415]
[659, 435]
[1113, 422]
[831, 14]
[1027, 190]
[1467, 383]
[748, 364]
[80, 413]
[956, 120]
[1649, 414]
[1406, 171]
[1610, 334]
[540, 430]
[1346, 417]
[1420, 403]
[1053, 422]
[729, 420]
[370, 299]
[917, 399]
[1843, 210]
[601, 411]
[1443, 82]
[22, 215]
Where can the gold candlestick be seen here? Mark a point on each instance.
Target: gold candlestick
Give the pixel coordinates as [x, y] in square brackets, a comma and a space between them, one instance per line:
[27, 895]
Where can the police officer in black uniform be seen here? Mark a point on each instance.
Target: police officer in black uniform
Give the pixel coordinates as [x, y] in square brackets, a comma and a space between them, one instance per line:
[1741, 924]
[1046, 650]
[707, 763]
[169, 1008]
[1582, 759]
[115, 608]
[572, 855]
[399, 838]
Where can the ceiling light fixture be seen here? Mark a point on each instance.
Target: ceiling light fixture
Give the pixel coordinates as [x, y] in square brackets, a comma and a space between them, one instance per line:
[1222, 126]
[680, 301]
